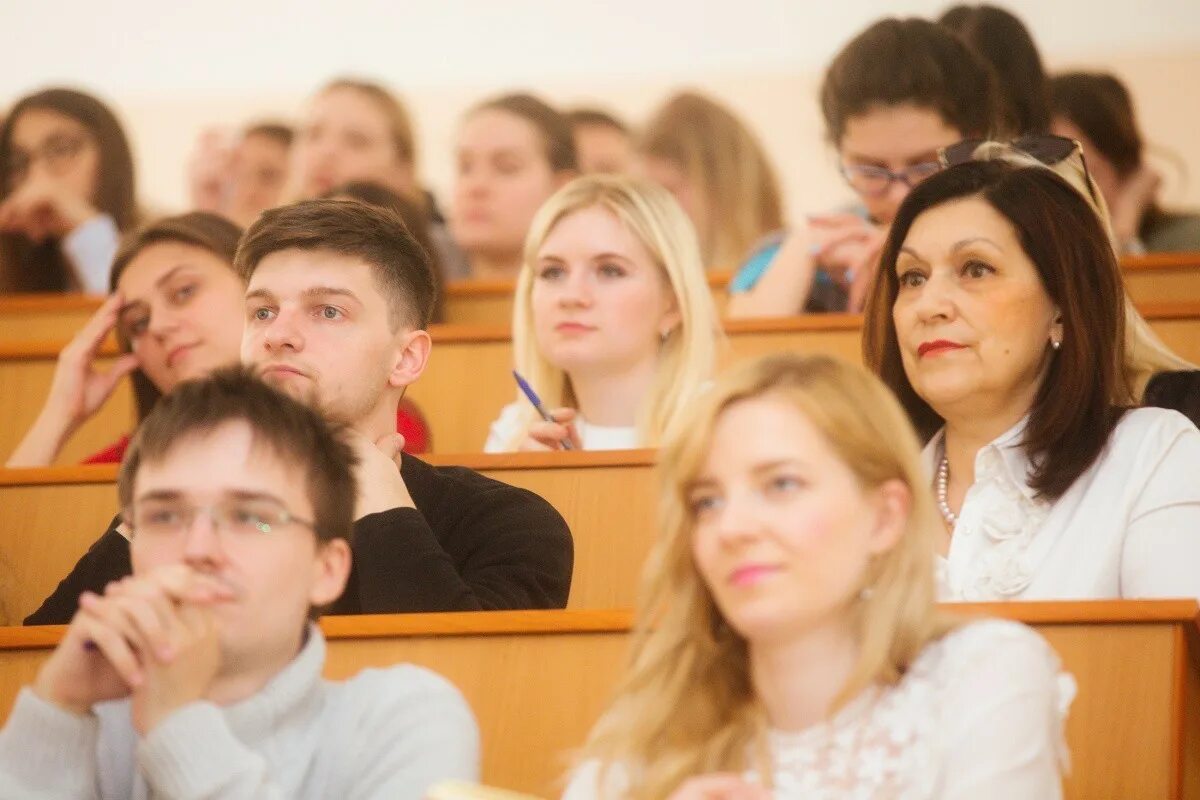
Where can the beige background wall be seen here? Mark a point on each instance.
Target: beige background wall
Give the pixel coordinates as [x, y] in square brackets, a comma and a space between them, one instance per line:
[174, 70]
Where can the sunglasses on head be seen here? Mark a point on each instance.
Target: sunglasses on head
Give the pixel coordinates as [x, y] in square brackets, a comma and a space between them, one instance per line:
[1046, 148]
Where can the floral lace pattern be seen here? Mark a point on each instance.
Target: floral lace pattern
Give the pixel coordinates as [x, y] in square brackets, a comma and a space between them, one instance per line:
[886, 745]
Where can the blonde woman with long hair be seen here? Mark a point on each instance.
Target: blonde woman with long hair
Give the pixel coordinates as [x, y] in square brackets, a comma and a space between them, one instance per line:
[788, 644]
[718, 171]
[613, 323]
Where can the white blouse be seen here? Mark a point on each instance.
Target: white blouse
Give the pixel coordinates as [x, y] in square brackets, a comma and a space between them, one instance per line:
[1128, 527]
[595, 437]
[979, 714]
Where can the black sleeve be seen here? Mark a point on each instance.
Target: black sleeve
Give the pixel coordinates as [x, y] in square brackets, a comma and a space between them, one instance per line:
[106, 560]
[503, 548]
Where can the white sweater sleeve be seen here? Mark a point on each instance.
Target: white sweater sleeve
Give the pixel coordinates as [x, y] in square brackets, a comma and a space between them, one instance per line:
[504, 429]
[1162, 541]
[46, 752]
[1005, 706]
[91, 248]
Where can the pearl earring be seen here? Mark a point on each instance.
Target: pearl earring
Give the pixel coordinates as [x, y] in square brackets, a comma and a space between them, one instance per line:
[1055, 343]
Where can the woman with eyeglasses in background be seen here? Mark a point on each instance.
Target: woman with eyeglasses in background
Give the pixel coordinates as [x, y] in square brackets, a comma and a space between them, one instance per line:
[998, 320]
[66, 193]
[895, 94]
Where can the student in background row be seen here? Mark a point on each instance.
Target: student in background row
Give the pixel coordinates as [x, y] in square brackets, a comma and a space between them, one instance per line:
[356, 130]
[788, 644]
[613, 323]
[998, 321]
[176, 307]
[67, 193]
[240, 179]
[1005, 44]
[603, 143]
[895, 94]
[718, 171]
[338, 295]
[200, 674]
[512, 153]
[1096, 109]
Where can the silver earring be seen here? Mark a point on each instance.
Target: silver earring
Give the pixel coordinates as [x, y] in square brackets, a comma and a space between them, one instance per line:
[1055, 343]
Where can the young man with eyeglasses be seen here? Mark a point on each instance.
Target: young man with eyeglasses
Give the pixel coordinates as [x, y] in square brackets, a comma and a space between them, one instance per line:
[200, 674]
[338, 298]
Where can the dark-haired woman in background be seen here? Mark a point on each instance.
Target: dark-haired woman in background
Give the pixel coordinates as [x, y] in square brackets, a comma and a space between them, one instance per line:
[894, 95]
[66, 193]
[513, 152]
[998, 321]
[1003, 41]
[177, 309]
[1096, 109]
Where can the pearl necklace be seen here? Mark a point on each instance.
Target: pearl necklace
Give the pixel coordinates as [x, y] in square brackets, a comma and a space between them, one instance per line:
[943, 485]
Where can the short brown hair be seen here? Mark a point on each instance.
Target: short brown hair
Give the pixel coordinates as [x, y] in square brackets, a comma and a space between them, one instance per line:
[350, 228]
[1075, 408]
[202, 229]
[553, 127]
[897, 61]
[282, 133]
[291, 430]
[399, 122]
[594, 116]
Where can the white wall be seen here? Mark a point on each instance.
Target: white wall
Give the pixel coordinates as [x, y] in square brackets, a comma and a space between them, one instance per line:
[172, 68]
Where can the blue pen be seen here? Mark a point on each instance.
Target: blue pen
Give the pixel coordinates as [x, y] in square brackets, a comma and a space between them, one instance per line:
[528, 391]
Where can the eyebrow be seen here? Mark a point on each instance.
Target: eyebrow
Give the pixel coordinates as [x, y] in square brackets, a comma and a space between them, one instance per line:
[758, 469]
[326, 291]
[920, 158]
[162, 280]
[954, 248]
[234, 494]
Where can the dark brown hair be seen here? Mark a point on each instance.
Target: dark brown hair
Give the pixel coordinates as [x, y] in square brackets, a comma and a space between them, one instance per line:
[897, 61]
[416, 219]
[553, 127]
[29, 267]
[373, 234]
[1073, 412]
[202, 229]
[293, 432]
[595, 116]
[1006, 45]
[280, 132]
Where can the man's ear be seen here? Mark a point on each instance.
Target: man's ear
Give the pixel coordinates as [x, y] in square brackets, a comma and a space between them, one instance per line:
[412, 354]
[331, 570]
[893, 504]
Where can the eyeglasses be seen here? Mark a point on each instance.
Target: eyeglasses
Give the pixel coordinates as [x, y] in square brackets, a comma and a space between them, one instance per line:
[1048, 149]
[237, 518]
[58, 152]
[874, 181]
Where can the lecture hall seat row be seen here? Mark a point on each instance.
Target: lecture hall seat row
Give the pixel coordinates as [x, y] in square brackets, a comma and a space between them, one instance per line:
[537, 680]
[468, 378]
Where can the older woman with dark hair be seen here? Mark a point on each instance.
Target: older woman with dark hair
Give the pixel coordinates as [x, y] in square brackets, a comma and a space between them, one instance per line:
[997, 320]
[66, 193]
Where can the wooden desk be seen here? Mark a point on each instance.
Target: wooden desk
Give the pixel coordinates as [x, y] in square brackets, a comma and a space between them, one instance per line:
[608, 498]
[468, 378]
[538, 680]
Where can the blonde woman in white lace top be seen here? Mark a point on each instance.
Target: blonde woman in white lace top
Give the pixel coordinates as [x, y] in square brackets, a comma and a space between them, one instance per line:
[788, 643]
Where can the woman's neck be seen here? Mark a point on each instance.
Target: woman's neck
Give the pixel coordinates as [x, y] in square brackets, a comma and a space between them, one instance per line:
[491, 267]
[966, 436]
[798, 679]
[614, 399]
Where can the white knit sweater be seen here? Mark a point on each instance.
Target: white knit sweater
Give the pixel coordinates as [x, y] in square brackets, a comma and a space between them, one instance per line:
[386, 733]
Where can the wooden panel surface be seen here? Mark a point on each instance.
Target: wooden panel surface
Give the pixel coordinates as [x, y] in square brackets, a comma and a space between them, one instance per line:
[53, 515]
[468, 379]
[538, 680]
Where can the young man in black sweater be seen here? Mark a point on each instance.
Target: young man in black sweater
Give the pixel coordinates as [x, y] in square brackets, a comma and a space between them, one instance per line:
[338, 298]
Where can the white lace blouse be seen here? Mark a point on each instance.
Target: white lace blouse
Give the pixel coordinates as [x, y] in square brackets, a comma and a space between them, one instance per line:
[595, 437]
[1128, 527]
[979, 714]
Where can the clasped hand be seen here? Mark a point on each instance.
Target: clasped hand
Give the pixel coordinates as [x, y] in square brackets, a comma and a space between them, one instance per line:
[151, 638]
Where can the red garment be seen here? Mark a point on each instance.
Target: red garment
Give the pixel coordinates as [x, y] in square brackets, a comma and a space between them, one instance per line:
[411, 424]
[111, 454]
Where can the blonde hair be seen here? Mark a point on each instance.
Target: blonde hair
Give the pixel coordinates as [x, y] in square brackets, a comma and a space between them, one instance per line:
[686, 705]
[725, 161]
[1145, 354]
[687, 354]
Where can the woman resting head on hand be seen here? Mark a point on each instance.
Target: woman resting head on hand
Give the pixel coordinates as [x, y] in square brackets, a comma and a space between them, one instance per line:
[998, 320]
[66, 193]
[613, 323]
[177, 309]
[787, 637]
